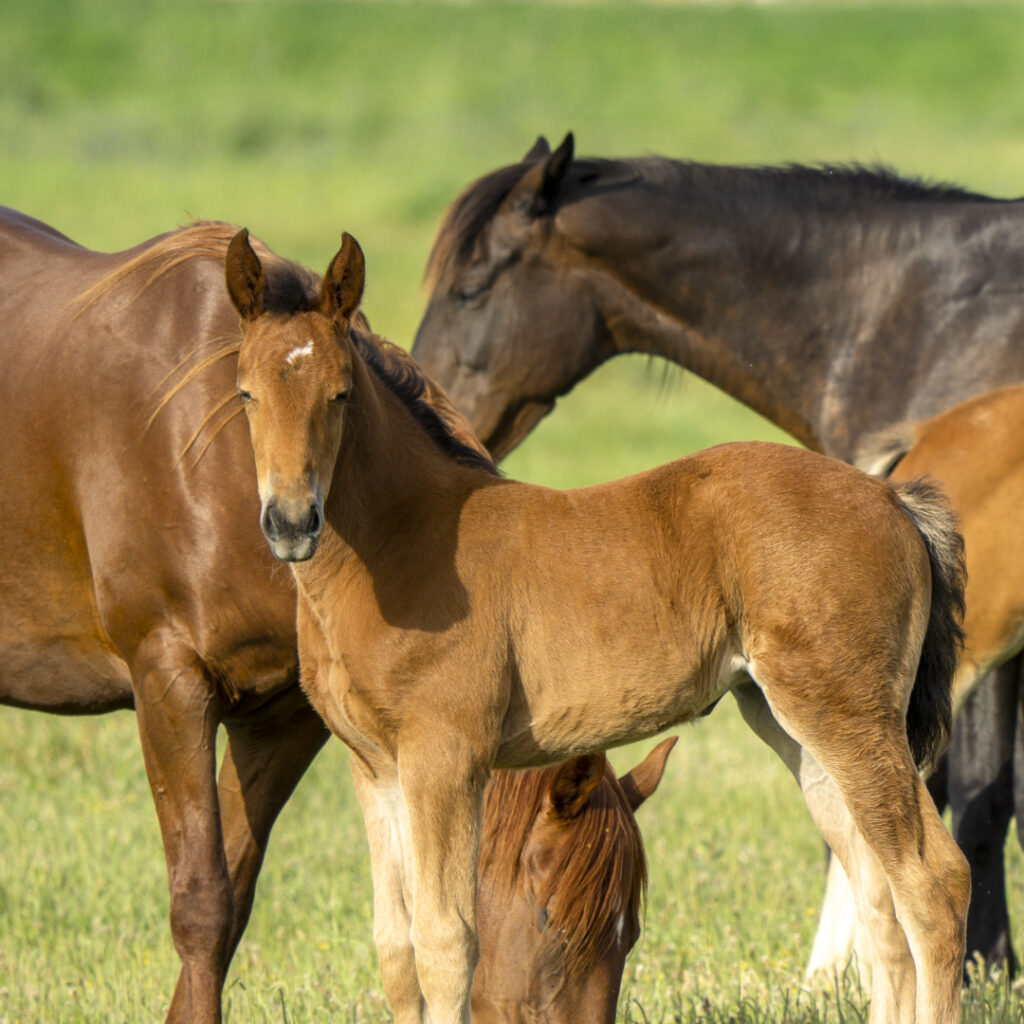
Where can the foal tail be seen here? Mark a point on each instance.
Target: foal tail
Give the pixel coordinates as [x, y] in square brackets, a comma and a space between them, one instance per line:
[930, 711]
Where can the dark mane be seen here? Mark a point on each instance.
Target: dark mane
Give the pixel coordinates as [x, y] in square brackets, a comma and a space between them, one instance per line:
[834, 185]
[603, 858]
[429, 405]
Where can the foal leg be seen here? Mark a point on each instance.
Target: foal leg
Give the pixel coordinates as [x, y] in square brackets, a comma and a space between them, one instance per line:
[178, 714]
[443, 787]
[387, 832]
[893, 976]
[892, 811]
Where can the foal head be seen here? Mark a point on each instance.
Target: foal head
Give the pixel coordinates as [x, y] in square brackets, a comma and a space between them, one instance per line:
[295, 373]
[562, 875]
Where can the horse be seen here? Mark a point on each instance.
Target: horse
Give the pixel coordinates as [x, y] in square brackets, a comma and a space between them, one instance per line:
[972, 452]
[834, 301]
[135, 576]
[562, 880]
[452, 621]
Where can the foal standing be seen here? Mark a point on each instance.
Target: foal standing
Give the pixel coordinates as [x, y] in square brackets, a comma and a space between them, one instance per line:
[453, 621]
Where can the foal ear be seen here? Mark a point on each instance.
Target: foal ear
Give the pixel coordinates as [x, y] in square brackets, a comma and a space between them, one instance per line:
[342, 286]
[572, 785]
[246, 279]
[643, 780]
[538, 188]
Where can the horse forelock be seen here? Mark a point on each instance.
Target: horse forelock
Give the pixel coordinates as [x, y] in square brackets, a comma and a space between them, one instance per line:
[832, 184]
[428, 404]
[599, 875]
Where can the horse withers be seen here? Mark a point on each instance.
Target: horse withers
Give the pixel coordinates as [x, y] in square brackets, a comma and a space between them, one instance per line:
[452, 621]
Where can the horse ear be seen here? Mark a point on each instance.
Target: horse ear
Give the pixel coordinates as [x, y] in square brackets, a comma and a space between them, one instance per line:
[342, 287]
[572, 785]
[540, 150]
[246, 279]
[538, 188]
[643, 780]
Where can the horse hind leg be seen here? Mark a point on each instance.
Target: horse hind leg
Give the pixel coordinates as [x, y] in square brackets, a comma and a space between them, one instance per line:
[890, 808]
[893, 986]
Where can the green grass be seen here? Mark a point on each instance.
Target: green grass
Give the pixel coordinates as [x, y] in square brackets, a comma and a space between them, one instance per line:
[301, 119]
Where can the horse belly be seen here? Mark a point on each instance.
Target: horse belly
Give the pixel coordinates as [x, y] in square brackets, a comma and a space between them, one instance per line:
[54, 652]
[594, 699]
[63, 674]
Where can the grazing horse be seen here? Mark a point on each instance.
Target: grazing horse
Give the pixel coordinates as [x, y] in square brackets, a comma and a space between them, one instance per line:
[135, 575]
[562, 876]
[451, 621]
[833, 301]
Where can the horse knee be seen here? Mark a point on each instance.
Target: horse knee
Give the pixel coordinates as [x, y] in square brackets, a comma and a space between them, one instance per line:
[202, 910]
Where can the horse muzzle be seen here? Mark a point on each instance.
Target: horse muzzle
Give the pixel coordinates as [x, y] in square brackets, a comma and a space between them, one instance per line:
[292, 529]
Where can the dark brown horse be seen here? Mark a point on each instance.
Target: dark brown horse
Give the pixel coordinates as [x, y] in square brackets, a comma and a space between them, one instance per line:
[451, 621]
[135, 575]
[834, 301]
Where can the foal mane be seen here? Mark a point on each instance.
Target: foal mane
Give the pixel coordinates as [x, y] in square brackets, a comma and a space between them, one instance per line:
[601, 858]
[428, 404]
[835, 185]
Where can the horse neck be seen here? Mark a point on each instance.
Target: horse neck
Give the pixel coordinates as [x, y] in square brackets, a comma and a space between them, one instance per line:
[390, 478]
[788, 308]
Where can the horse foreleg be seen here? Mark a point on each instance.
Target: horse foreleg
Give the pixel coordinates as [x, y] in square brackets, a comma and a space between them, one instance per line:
[387, 830]
[266, 755]
[442, 788]
[178, 714]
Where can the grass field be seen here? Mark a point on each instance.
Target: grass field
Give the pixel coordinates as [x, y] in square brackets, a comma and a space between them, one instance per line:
[301, 119]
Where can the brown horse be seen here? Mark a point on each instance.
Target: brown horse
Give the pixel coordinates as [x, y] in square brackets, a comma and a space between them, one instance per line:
[135, 576]
[834, 301]
[562, 875]
[453, 621]
[974, 452]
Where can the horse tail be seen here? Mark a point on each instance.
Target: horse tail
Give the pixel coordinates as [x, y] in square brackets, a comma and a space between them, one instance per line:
[930, 711]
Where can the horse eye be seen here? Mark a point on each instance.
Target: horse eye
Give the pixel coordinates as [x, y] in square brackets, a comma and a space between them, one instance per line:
[542, 919]
[244, 395]
[340, 397]
[470, 296]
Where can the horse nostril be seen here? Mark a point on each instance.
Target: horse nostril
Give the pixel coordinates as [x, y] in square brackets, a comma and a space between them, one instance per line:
[315, 522]
[269, 521]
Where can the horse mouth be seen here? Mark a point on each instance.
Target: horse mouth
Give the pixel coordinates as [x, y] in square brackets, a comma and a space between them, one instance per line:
[513, 429]
[293, 549]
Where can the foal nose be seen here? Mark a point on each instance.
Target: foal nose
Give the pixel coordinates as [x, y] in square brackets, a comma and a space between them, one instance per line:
[292, 529]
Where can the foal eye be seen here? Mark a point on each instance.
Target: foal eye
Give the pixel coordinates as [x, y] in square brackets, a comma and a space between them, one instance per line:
[244, 395]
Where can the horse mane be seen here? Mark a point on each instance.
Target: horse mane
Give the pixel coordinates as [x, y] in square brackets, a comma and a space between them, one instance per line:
[834, 185]
[291, 288]
[428, 404]
[601, 858]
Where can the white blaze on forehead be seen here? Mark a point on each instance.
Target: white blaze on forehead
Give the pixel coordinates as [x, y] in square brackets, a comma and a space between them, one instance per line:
[299, 352]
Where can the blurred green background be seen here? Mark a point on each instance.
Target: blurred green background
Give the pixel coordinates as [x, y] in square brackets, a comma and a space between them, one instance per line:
[120, 120]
